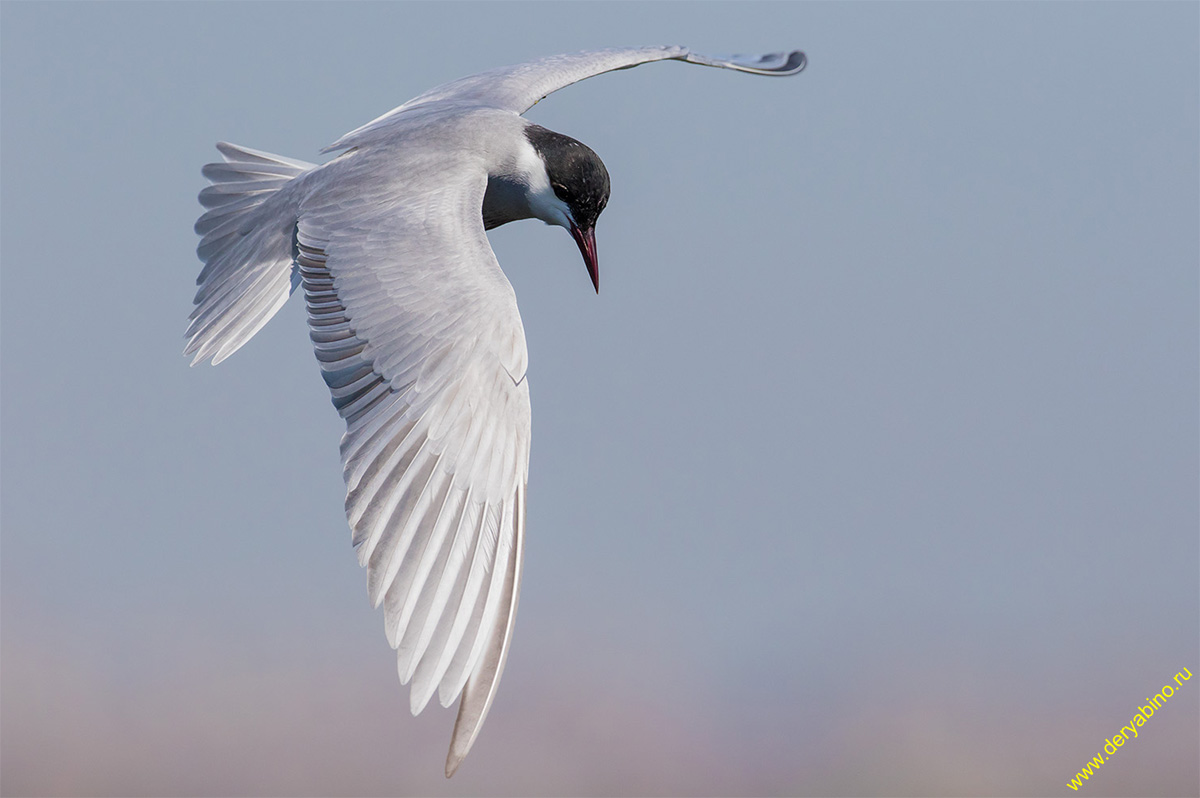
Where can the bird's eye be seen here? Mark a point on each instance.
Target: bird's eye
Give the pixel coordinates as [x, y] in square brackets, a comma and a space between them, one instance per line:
[560, 190]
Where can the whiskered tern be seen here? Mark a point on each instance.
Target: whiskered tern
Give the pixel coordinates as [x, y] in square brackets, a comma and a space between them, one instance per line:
[418, 336]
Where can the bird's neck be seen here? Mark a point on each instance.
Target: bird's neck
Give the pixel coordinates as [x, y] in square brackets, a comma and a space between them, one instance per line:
[520, 189]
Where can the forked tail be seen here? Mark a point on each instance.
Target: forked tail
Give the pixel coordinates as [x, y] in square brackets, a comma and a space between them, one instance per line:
[246, 245]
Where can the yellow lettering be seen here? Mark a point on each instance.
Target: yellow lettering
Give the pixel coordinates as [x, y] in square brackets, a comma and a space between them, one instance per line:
[1130, 731]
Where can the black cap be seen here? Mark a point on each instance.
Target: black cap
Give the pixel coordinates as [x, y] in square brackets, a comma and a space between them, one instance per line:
[576, 173]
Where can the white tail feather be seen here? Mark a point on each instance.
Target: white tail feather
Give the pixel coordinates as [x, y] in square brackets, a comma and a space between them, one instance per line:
[246, 246]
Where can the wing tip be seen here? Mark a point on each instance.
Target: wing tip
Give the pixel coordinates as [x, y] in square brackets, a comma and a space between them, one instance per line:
[796, 62]
[453, 760]
[466, 729]
[771, 64]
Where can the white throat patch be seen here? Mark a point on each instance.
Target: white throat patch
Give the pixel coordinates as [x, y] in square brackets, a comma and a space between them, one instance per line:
[543, 202]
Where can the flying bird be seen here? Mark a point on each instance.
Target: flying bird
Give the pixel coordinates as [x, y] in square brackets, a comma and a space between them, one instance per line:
[417, 334]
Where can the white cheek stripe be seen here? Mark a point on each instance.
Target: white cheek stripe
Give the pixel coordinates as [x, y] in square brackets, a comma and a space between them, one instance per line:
[543, 202]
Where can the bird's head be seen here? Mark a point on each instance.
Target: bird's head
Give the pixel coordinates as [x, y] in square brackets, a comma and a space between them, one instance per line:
[575, 193]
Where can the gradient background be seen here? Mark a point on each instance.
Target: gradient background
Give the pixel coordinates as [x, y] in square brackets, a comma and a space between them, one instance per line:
[872, 470]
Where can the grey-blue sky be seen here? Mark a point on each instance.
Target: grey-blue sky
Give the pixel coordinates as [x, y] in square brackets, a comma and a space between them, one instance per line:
[871, 470]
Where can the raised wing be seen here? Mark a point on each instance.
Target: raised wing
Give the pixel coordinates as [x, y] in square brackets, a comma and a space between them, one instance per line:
[518, 88]
[420, 342]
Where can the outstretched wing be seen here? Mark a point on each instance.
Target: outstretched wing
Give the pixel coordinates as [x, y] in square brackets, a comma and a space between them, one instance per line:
[420, 342]
[518, 88]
